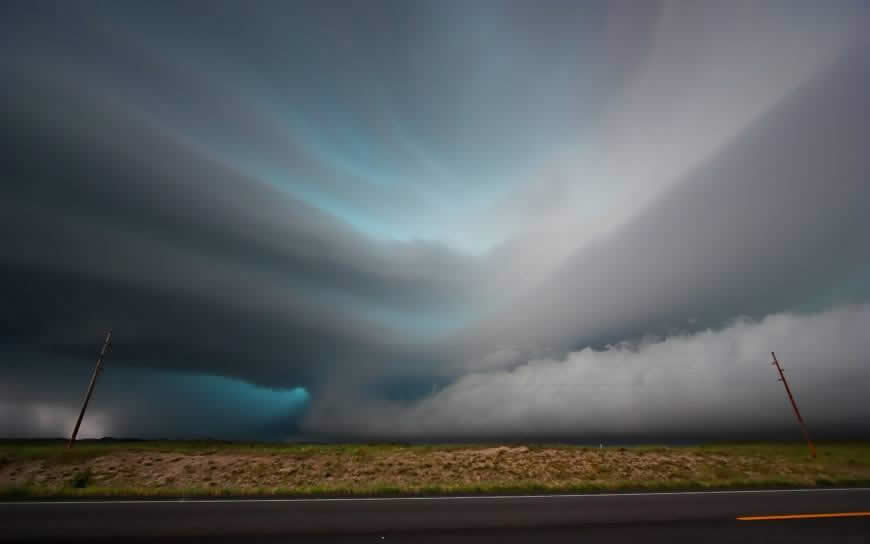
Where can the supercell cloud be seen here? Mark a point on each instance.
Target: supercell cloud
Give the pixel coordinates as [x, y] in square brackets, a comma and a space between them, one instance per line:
[434, 219]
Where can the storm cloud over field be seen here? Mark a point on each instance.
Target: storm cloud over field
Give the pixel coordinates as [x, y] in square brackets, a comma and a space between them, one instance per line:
[433, 219]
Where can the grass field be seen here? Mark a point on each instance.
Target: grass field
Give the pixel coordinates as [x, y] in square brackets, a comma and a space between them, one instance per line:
[168, 468]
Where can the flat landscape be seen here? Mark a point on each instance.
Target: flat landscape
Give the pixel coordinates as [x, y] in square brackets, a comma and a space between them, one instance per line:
[203, 468]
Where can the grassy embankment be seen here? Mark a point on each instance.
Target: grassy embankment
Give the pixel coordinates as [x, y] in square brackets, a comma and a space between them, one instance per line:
[173, 469]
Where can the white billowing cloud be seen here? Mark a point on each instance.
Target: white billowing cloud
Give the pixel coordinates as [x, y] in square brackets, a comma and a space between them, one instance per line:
[720, 380]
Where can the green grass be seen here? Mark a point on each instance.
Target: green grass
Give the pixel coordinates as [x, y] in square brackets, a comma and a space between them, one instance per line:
[827, 452]
[25, 492]
[80, 479]
[56, 451]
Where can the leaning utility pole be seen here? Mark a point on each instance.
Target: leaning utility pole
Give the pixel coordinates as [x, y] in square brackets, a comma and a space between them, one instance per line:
[794, 405]
[106, 346]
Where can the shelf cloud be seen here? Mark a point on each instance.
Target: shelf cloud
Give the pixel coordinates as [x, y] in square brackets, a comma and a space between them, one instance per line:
[432, 219]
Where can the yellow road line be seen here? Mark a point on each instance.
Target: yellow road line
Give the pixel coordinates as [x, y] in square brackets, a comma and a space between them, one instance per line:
[805, 516]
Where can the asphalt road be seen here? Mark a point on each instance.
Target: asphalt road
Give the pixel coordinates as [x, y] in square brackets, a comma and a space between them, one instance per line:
[618, 517]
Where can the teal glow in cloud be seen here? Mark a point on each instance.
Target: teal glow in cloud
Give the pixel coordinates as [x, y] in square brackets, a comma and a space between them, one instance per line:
[195, 405]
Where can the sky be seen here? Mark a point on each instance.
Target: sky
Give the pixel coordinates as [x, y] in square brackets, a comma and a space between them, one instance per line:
[434, 220]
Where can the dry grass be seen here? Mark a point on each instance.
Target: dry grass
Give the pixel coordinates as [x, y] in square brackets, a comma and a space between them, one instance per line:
[204, 468]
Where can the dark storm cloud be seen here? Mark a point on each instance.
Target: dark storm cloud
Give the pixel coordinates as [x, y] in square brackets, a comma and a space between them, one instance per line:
[111, 219]
[165, 244]
[139, 402]
[416, 210]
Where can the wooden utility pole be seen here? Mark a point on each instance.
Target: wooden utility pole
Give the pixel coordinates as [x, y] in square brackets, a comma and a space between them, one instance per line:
[106, 346]
[794, 406]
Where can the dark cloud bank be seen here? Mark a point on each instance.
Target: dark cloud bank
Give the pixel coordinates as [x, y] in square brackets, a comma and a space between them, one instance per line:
[227, 292]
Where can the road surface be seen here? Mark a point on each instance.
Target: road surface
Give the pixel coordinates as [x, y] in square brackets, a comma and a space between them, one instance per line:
[616, 517]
